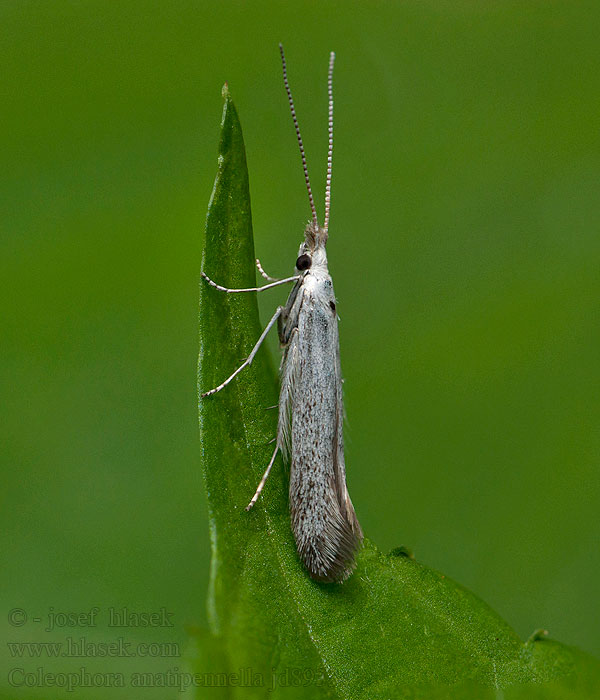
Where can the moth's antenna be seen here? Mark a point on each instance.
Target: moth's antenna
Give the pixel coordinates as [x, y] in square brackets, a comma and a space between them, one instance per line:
[330, 147]
[297, 127]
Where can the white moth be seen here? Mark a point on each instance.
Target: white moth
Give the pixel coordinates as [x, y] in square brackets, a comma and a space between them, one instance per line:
[311, 413]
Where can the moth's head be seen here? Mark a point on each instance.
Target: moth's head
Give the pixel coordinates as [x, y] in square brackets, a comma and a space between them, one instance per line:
[312, 249]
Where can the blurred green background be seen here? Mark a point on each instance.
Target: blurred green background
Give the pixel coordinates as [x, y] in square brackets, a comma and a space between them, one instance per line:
[465, 252]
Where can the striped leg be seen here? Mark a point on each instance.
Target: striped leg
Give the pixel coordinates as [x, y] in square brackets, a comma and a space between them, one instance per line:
[264, 274]
[250, 357]
[249, 289]
[263, 480]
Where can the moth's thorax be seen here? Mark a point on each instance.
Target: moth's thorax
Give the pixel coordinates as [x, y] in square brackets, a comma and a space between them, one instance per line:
[317, 283]
[319, 261]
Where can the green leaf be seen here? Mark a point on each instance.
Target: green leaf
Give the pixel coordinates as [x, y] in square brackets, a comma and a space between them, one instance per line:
[396, 628]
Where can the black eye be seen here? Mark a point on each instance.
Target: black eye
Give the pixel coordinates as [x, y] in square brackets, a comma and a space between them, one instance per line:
[303, 262]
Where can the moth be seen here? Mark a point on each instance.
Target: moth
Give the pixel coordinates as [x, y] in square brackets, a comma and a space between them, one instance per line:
[311, 413]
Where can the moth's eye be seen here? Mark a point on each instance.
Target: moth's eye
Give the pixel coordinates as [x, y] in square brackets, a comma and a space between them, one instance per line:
[303, 262]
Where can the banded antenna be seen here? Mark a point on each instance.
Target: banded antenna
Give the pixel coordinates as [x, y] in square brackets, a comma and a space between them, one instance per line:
[313, 209]
[330, 143]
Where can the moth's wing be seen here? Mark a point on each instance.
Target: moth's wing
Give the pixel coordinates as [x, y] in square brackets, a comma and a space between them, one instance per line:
[289, 372]
[343, 497]
[325, 526]
[290, 365]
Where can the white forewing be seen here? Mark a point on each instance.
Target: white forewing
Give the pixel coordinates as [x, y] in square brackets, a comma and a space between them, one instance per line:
[325, 527]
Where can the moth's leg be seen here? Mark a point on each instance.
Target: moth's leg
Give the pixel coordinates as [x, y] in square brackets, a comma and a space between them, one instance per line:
[281, 322]
[250, 357]
[264, 274]
[288, 321]
[249, 289]
[263, 480]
